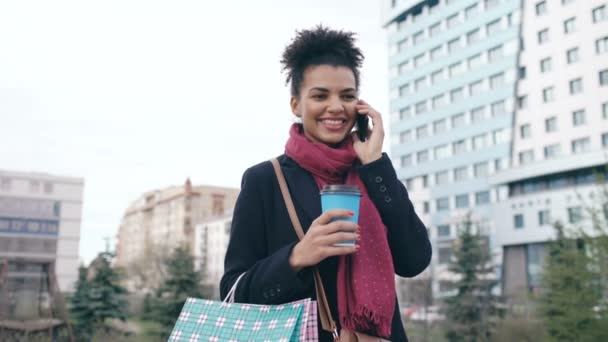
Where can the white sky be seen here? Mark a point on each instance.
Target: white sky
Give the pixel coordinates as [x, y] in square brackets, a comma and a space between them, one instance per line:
[139, 95]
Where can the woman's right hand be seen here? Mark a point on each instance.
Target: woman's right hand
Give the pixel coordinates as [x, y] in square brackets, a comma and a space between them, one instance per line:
[318, 242]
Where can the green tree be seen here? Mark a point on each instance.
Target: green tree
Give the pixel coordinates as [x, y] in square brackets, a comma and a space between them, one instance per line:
[472, 312]
[80, 307]
[572, 289]
[182, 281]
[98, 297]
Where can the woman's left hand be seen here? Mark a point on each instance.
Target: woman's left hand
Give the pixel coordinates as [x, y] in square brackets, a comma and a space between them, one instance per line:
[371, 149]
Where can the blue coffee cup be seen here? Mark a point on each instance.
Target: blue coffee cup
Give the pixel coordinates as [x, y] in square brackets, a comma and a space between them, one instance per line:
[341, 196]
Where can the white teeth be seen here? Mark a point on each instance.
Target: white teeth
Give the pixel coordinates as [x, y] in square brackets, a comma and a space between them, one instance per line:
[333, 122]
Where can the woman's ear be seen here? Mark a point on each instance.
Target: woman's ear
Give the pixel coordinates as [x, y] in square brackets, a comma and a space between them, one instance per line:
[295, 106]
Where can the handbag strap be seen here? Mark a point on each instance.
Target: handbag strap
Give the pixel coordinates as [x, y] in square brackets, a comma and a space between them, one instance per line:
[327, 321]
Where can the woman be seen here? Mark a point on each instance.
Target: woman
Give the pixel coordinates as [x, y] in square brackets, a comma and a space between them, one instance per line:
[323, 70]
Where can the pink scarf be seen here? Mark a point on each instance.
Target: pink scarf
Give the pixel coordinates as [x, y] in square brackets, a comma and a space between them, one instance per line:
[365, 280]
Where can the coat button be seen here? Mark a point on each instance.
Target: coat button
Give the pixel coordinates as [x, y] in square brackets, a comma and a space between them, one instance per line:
[382, 188]
[387, 199]
[378, 179]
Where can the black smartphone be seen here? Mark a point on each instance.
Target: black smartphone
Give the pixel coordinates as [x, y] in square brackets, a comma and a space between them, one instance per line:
[362, 125]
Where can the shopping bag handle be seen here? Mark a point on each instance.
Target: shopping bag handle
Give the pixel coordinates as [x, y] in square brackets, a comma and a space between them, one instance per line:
[230, 296]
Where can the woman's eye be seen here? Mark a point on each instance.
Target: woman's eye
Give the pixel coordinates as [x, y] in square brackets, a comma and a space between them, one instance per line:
[350, 97]
[319, 96]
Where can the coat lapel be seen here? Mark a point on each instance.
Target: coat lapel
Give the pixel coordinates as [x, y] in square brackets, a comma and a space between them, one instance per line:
[304, 191]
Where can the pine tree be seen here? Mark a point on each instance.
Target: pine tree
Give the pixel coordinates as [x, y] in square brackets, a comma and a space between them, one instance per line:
[98, 297]
[571, 290]
[80, 308]
[183, 281]
[472, 312]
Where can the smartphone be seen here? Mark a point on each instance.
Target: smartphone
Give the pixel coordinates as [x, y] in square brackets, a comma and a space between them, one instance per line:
[362, 125]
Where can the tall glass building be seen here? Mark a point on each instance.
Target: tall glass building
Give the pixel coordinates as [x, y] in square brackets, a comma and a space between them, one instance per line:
[453, 75]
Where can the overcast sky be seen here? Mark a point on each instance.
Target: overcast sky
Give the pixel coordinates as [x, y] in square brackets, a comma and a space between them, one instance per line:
[138, 95]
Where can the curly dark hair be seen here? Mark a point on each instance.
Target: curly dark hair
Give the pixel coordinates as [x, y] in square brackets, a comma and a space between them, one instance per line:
[320, 46]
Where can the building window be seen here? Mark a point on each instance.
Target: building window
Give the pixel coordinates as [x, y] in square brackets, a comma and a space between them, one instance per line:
[495, 53]
[437, 76]
[404, 90]
[406, 160]
[605, 110]
[521, 72]
[418, 37]
[456, 95]
[605, 140]
[441, 178]
[497, 164]
[217, 204]
[522, 102]
[425, 181]
[434, 29]
[473, 36]
[572, 55]
[578, 118]
[497, 80]
[438, 101]
[603, 78]
[544, 217]
[474, 61]
[525, 131]
[442, 151]
[601, 45]
[575, 214]
[426, 207]
[402, 45]
[477, 114]
[545, 65]
[482, 197]
[440, 126]
[420, 107]
[552, 151]
[443, 230]
[491, 4]
[599, 14]
[403, 67]
[34, 186]
[452, 21]
[405, 113]
[470, 11]
[419, 60]
[480, 169]
[456, 69]
[580, 145]
[48, 188]
[526, 157]
[435, 53]
[541, 8]
[565, 2]
[475, 88]
[460, 173]
[551, 124]
[493, 27]
[569, 25]
[458, 120]
[409, 183]
[576, 86]
[422, 132]
[422, 156]
[405, 136]
[454, 45]
[5, 184]
[548, 94]
[543, 36]
[443, 204]
[498, 108]
[419, 83]
[445, 255]
[518, 221]
[462, 201]
[479, 142]
[459, 147]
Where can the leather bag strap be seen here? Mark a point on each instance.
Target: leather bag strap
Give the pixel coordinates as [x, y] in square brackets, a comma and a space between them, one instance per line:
[327, 321]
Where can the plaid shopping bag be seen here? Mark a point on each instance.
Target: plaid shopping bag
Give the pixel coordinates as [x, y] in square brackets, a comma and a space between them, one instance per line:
[206, 320]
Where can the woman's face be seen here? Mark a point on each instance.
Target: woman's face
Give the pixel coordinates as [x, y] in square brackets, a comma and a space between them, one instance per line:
[326, 103]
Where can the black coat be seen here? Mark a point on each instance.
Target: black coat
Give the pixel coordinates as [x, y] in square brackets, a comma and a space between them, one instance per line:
[262, 236]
